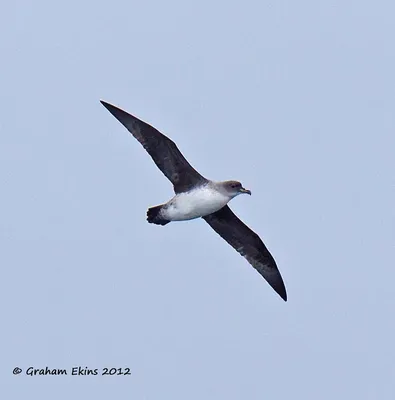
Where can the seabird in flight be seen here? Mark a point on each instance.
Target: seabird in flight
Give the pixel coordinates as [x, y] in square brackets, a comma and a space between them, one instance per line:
[196, 196]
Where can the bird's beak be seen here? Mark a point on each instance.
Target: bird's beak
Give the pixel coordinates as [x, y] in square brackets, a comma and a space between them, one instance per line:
[242, 190]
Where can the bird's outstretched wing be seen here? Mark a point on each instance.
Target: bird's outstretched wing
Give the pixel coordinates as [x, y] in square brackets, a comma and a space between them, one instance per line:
[249, 245]
[163, 151]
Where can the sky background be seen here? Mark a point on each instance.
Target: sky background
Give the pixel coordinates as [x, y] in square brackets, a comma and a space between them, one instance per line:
[296, 100]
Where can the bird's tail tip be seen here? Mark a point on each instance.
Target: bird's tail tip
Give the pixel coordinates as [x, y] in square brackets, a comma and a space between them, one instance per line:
[154, 217]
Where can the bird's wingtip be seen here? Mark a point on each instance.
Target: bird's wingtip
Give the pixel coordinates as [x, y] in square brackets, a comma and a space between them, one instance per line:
[281, 291]
[113, 110]
[276, 282]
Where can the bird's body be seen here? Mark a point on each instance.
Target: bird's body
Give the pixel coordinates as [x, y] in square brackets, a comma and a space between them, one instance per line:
[196, 203]
[196, 196]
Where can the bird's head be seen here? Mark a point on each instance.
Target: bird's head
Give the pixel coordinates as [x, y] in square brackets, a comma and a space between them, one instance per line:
[234, 188]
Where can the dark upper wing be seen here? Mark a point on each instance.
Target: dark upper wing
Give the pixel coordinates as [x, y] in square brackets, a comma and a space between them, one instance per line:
[249, 245]
[162, 150]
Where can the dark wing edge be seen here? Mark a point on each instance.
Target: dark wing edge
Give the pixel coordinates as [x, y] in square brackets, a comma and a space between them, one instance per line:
[162, 150]
[249, 245]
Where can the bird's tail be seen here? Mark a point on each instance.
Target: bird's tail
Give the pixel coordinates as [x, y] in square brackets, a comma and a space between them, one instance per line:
[154, 217]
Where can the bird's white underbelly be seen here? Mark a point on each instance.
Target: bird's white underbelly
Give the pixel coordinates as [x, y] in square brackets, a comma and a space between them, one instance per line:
[194, 204]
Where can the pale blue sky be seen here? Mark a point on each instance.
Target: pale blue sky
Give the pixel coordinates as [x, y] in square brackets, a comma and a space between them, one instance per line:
[296, 100]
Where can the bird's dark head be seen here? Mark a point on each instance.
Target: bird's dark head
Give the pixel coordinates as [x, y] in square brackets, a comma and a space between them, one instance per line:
[235, 188]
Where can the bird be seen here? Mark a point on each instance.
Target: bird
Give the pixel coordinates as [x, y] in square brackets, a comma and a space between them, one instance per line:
[198, 197]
